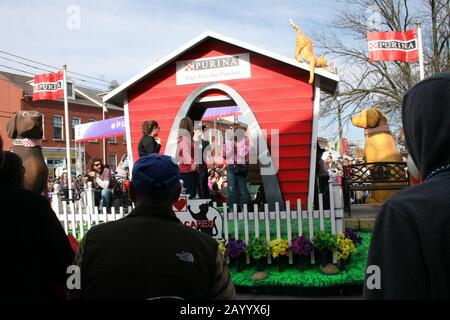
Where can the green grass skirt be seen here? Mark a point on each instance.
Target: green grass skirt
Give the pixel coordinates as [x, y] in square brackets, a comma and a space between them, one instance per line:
[311, 277]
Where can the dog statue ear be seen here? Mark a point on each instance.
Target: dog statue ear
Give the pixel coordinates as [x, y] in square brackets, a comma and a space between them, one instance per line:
[373, 118]
[11, 128]
[382, 119]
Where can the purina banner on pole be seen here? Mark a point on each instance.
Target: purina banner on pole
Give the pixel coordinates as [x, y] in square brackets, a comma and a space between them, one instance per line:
[100, 129]
[393, 46]
[49, 86]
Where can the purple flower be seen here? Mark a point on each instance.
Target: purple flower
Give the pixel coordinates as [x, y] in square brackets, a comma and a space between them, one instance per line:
[235, 248]
[352, 235]
[301, 246]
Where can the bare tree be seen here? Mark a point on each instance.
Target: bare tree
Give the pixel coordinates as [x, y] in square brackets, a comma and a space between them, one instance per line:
[379, 84]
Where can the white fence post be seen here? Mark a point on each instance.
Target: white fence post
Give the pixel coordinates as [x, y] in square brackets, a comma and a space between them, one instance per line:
[289, 230]
[235, 221]
[225, 228]
[90, 198]
[267, 224]
[256, 219]
[247, 257]
[299, 217]
[337, 202]
[56, 200]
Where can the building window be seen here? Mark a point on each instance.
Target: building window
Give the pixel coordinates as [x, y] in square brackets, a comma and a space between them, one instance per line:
[58, 128]
[70, 91]
[93, 141]
[113, 161]
[75, 121]
[112, 140]
[124, 140]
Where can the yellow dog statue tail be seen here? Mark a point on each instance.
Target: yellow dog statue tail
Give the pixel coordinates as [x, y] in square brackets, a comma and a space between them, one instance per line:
[305, 50]
[380, 145]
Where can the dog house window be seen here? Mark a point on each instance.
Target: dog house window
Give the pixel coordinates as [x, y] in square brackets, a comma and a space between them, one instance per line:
[58, 128]
[75, 121]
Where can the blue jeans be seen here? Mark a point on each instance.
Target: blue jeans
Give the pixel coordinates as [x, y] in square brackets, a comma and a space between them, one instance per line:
[237, 186]
[106, 198]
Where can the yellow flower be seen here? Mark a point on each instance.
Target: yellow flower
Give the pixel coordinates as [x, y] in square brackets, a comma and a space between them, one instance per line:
[279, 247]
[221, 244]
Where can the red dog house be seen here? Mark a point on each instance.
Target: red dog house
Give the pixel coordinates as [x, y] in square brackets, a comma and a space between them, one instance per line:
[272, 92]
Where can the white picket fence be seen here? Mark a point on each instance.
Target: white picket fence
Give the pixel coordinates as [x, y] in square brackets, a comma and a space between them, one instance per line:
[79, 216]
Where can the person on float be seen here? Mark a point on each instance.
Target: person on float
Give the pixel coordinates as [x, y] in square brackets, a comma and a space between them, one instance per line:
[150, 142]
[185, 156]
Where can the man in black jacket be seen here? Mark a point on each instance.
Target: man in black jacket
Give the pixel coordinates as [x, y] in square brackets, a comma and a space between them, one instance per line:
[35, 251]
[409, 256]
[149, 253]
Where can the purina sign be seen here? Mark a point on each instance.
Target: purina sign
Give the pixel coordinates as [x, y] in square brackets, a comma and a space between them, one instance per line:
[212, 69]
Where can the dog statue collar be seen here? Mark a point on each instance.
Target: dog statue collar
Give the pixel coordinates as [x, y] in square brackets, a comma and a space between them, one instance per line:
[27, 143]
[371, 131]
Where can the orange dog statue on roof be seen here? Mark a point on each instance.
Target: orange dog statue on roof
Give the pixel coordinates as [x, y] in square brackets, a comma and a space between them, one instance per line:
[305, 50]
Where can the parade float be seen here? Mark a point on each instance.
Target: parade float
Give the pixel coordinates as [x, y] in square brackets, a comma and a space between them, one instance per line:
[286, 243]
[276, 246]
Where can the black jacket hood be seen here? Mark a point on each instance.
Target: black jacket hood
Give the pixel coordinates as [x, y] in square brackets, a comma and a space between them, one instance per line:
[426, 123]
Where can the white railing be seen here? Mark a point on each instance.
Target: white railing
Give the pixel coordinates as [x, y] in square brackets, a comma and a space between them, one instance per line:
[79, 216]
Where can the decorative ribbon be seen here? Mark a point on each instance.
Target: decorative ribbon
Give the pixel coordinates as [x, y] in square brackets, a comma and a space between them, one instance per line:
[27, 143]
[371, 131]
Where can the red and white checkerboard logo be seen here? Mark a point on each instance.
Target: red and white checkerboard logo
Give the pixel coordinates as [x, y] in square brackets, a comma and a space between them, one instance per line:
[373, 45]
[189, 67]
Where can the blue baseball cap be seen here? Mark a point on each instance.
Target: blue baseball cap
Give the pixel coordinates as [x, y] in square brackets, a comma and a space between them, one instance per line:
[156, 175]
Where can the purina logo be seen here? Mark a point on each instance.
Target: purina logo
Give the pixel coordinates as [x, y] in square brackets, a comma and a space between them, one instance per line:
[393, 45]
[222, 62]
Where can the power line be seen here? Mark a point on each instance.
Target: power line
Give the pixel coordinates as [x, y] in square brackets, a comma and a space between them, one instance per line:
[50, 66]
[46, 70]
[15, 69]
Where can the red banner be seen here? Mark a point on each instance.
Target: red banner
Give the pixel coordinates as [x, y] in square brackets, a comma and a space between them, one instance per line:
[48, 86]
[393, 46]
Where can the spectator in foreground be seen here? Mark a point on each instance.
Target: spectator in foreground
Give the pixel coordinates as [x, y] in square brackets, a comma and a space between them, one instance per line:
[37, 253]
[150, 253]
[411, 238]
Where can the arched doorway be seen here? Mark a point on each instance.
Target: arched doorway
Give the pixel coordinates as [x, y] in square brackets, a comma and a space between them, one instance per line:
[267, 166]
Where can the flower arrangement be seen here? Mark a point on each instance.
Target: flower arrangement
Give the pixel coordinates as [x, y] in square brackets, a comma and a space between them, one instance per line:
[344, 247]
[257, 248]
[351, 234]
[279, 248]
[324, 240]
[234, 248]
[302, 246]
[221, 244]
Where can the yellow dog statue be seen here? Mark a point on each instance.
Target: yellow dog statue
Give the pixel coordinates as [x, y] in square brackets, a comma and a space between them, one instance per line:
[380, 145]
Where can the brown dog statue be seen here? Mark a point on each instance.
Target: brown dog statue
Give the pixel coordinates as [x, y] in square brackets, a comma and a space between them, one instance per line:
[25, 128]
[380, 145]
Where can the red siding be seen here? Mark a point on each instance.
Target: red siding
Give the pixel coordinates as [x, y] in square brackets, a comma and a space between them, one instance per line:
[277, 93]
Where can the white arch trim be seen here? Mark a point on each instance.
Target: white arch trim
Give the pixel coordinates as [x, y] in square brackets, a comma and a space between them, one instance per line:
[269, 170]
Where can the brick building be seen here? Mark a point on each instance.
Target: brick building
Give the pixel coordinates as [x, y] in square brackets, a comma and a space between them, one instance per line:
[16, 94]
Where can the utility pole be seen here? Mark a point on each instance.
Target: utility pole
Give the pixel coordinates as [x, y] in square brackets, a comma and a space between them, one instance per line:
[339, 114]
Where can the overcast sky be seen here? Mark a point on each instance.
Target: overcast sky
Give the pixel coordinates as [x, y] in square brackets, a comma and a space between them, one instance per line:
[117, 39]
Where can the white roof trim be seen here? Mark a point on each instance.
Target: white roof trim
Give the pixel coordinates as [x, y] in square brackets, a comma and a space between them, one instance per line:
[200, 38]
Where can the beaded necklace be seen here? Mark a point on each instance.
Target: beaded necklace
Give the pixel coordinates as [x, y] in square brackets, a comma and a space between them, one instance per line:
[440, 170]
